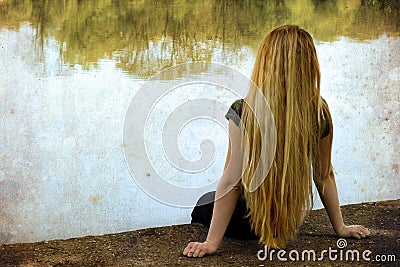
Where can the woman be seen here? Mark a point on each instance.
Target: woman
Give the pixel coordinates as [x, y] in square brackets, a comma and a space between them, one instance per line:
[275, 192]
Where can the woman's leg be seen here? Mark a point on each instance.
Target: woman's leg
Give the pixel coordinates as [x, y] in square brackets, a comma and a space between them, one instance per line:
[239, 226]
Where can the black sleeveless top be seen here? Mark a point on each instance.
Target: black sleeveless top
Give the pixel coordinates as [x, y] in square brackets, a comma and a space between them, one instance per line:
[235, 112]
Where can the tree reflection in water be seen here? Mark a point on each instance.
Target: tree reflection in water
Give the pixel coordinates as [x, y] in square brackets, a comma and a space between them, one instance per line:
[145, 37]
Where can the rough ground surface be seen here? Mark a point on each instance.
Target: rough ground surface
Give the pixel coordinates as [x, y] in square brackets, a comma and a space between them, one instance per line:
[163, 246]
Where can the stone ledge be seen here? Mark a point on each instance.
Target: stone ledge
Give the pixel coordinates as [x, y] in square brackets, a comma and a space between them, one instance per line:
[163, 246]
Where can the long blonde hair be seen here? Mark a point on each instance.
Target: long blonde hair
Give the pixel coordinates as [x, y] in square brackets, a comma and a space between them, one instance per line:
[287, 73]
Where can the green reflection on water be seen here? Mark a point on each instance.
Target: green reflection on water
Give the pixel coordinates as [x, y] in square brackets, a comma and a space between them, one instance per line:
[147, 36]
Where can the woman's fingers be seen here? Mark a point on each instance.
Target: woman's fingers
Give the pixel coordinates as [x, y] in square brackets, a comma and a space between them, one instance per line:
[202, 253]
[362, 231]
[354, 231]
[366, 231]
[359, 231]
[188, 248]
[195, 249]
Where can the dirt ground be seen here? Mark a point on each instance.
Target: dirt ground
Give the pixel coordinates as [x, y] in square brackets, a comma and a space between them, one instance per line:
[163, 246]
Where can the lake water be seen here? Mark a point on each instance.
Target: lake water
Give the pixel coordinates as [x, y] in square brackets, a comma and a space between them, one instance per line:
[70, 70]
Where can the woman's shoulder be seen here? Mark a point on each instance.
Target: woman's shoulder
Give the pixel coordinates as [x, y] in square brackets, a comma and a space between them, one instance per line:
[235, 111]
[326, 123]
[238, 106]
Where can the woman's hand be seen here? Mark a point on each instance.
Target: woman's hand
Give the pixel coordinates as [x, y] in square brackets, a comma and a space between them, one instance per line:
[355, 231]
[197, 249]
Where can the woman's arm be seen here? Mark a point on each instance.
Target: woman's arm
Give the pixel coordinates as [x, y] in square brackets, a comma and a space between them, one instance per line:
[329, 196]
[226, 196]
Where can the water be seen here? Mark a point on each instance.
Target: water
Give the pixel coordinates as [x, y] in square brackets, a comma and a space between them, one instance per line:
[69, 70]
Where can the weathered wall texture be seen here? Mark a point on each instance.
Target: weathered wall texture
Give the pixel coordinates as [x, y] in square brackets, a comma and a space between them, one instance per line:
[62, 168]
